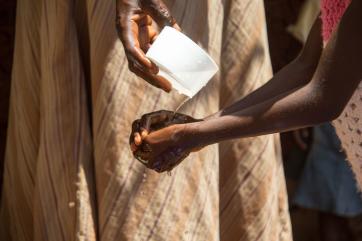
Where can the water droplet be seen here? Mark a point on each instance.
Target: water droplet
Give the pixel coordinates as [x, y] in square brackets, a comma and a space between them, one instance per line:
[144, 177]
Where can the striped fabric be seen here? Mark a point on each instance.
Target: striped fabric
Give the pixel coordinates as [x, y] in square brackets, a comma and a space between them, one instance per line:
[69, 173]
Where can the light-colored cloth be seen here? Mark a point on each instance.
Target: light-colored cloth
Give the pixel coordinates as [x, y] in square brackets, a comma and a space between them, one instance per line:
[69, 173]
[349, 124]
[308, 13]
[327, 183]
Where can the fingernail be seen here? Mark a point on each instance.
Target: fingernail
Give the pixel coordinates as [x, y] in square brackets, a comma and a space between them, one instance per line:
[177, 27]
[137, 139]
[144, 134]
[167, 89]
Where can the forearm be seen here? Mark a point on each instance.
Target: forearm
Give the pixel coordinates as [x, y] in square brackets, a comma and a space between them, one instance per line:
[337, 76]
[294, 75]
[296, 109]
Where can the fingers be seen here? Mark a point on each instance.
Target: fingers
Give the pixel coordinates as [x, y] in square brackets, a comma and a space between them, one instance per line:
[155, 118]
[135, 31]
[134, 139]
[153, 79]
[169, 160]
[143, 157]
[179, 118]
[158, 164]
[159, 12]
[137, 58]
[127, 28]
[137, 136]
[147, 35]
[177, 27]
[140, 65]
[137, 139]
[162, 162]
[144, 134]
[146, 20]
[133, 147]
[138, 62]
[142, 127]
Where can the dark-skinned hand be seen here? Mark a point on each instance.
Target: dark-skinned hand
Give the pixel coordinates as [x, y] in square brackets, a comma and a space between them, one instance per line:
[135, 24]
[157, 139]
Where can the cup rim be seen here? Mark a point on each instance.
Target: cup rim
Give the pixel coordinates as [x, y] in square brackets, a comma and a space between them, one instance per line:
[183, 37]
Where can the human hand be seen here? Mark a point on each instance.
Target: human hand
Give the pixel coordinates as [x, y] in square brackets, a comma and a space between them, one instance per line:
[160, 141]
[136, 28]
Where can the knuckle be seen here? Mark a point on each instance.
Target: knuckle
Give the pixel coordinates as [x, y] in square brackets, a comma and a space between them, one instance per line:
[145, 118]
[131, 66]
[135, 124]
[132, 52]
[166, 112]
[160, 112]
[122, 20]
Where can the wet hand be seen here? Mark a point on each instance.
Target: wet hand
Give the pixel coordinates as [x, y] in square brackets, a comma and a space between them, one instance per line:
[136, 28]
[159, 140]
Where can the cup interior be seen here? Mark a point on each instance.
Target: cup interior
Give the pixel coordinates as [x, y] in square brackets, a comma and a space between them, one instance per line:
[188, 64]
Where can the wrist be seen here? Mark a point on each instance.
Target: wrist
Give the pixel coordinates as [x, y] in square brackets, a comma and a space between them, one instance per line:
[190, 137]
[210, 131]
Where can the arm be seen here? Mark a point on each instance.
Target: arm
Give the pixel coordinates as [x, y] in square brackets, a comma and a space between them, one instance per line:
[294, 75]
[160, 129]
[311, 102]
[322, 99]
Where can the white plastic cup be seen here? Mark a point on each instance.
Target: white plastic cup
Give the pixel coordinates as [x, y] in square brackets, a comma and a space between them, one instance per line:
[182, 62]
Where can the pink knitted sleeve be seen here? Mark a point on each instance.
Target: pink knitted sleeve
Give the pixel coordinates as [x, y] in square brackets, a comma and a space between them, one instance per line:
[332, 11]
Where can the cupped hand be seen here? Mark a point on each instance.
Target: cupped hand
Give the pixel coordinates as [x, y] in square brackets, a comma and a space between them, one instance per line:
[136, 29]
[159, 139]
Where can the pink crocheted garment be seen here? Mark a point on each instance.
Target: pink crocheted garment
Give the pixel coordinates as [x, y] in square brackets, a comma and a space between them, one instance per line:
[349, 123]
[332, 11]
